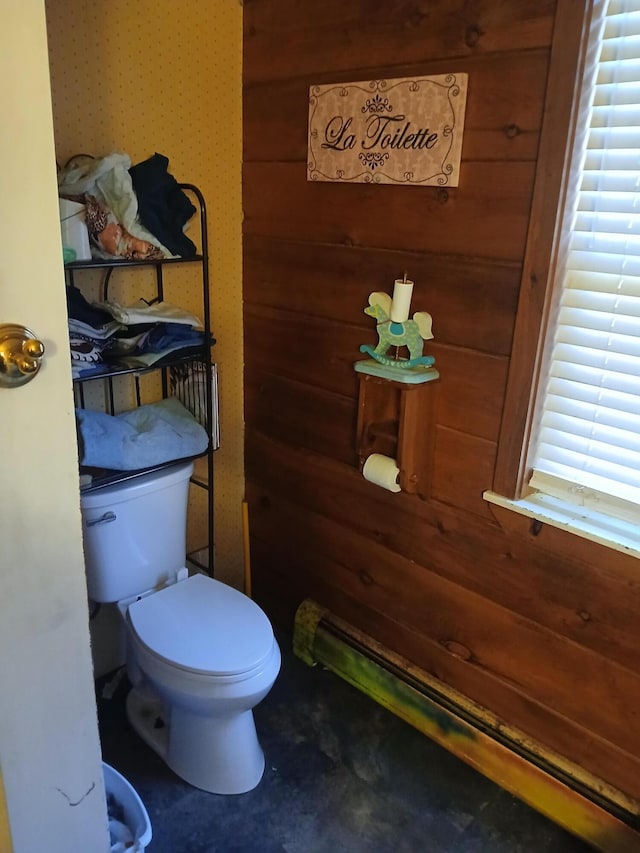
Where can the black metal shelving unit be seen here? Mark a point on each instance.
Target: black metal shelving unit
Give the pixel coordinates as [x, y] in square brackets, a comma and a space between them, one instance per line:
[201, 397]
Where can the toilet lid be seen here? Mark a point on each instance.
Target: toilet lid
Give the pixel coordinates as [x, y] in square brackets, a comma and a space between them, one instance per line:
[203, 625]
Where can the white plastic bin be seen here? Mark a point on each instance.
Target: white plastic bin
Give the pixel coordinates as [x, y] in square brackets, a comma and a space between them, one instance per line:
[134, 814]
[73, 229]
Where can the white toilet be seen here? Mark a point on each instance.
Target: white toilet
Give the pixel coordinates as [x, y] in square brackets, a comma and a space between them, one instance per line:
[200, 654]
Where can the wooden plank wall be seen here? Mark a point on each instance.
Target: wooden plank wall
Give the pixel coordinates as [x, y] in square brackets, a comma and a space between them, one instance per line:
[532, 624]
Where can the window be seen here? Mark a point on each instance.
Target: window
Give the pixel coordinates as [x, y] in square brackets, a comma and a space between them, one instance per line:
[581, 438]
[588, 443]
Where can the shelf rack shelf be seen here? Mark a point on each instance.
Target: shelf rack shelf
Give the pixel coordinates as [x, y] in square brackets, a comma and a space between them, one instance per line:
[202, 400]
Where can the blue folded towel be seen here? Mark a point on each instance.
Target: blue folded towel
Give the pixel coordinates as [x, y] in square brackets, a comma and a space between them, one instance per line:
[146, 436]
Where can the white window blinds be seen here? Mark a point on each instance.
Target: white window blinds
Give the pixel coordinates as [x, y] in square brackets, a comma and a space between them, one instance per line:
[588, 448]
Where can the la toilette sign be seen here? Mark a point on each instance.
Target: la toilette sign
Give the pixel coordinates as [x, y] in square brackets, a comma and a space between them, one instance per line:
[404, 131]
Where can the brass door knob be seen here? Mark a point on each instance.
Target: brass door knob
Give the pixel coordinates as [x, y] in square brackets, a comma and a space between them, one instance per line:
[20, 355]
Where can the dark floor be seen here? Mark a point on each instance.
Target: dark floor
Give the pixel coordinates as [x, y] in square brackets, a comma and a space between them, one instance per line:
[342, 774]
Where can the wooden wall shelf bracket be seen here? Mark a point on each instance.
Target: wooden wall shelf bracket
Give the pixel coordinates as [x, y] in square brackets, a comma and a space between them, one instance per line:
[395, 418]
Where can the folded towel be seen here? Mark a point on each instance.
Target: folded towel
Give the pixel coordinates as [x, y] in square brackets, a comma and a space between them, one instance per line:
[142, 312]
[147, 436]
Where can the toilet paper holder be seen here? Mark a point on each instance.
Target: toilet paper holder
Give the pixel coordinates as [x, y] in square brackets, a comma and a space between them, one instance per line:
[396, 397]
[396, 419]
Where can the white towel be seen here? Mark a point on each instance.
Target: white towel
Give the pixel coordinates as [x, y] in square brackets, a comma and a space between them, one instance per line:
[142, 312]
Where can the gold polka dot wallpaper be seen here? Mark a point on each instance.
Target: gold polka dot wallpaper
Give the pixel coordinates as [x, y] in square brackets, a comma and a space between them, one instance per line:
[146, 77]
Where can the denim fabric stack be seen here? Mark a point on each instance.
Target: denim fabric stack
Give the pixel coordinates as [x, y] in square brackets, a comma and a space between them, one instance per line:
[105, 335]
[91, 334]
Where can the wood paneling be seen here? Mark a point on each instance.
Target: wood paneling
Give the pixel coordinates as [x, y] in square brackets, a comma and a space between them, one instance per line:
[318, 352]
[468, 626]
[539, 628]
[544, 576]
[282, 587]
[302, 415]
[471, 390]
[503, 126]
[462, 468]
[492, 198]
[355, 548]
[472, 300]
[360, 35]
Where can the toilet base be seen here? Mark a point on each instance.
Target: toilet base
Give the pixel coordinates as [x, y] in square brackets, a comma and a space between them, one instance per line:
[220, 755]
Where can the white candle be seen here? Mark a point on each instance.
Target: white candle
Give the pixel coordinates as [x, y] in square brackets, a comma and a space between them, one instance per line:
[402, 290]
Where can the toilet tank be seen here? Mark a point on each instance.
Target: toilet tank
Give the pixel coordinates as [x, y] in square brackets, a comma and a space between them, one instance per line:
[135, 533]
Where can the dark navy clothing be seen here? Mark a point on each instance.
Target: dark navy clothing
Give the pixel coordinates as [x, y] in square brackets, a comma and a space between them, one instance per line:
[162, 206]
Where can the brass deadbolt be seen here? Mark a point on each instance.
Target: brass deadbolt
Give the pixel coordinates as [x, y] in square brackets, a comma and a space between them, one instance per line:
[20, 355]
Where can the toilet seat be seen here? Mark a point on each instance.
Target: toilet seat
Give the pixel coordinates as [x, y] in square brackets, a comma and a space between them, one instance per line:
[205, 627]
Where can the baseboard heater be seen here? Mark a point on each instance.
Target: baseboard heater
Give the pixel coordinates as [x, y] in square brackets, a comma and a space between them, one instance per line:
[565, 793]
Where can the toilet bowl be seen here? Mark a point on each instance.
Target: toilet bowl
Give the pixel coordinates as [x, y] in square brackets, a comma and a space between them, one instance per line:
[208, 653]
[200, 654]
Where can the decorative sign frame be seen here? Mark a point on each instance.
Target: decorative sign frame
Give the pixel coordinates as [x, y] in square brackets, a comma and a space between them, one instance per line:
[405, 131]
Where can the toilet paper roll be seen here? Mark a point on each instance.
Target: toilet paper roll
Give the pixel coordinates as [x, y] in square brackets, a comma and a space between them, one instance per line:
[401, 302]
[382, 471]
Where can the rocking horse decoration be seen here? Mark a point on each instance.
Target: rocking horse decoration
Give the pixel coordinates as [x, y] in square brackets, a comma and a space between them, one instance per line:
[396, 333]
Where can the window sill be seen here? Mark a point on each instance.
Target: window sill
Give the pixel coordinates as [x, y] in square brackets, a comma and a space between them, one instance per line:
[620, 535]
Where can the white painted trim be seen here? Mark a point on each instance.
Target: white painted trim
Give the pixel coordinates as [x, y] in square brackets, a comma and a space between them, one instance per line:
[587, 523]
